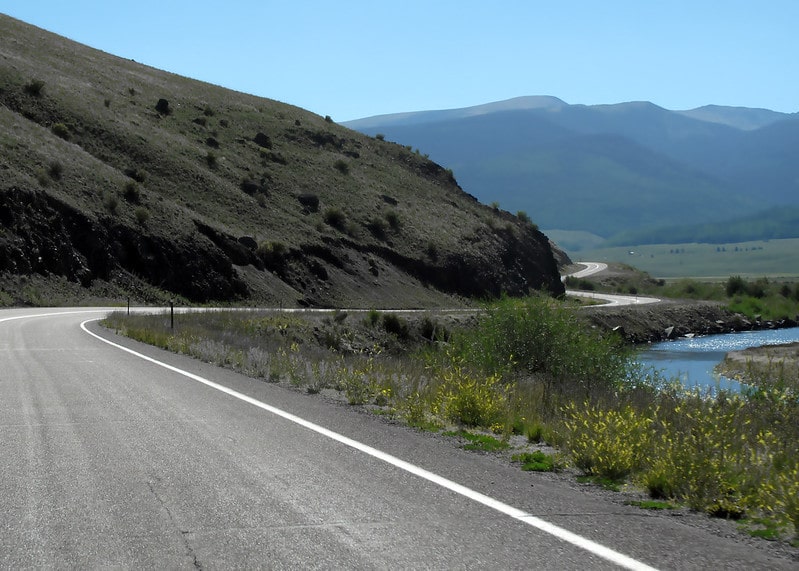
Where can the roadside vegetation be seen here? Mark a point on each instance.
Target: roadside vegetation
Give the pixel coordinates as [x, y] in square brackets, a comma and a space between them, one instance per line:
[528, 379]
[763, 298]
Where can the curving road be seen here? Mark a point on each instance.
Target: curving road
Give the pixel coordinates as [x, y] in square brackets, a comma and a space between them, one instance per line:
[117, 454]
[592, 268]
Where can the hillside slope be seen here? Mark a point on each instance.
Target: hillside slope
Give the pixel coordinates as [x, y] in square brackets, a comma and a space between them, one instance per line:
[155, 185]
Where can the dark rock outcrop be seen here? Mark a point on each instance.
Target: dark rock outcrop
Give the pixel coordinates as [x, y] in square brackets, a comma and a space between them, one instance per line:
[46, 236]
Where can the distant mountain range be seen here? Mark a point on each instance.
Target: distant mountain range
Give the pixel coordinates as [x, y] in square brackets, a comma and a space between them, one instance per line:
[610, 170]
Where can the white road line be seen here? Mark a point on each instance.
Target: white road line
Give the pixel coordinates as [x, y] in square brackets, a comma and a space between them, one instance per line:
[563, 534]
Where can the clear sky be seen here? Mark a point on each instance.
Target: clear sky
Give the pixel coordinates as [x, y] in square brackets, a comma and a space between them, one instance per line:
[356, 58]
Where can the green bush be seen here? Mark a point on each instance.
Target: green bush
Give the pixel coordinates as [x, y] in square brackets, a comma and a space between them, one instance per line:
[273, 254]
[735, 285]
[136, 174]
[111, 202]
[342, 166]
[377, 227]
[542, 338]
[431, 330]
[758, 288]
[130, 192]
[537, 461]
[142, 215]
[34, 87]
[211, 159]
[396, 325]
[431, 250]
[393, 220]
[609, 443]
[162, 106]
[55, 170]
[372, 317]
[471, 399]
[334, 217]
[43, 177]
[60, 130]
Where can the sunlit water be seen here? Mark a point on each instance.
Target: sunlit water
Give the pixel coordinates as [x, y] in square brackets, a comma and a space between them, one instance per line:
[692, 360]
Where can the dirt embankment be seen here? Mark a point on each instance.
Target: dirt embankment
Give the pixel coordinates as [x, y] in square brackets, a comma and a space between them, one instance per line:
[673, 318]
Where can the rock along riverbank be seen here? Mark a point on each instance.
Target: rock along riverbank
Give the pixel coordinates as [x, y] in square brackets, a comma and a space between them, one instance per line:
[671, 319]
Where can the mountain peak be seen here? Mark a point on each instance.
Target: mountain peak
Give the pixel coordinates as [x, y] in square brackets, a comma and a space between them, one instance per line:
[744, 118]
[529, 102]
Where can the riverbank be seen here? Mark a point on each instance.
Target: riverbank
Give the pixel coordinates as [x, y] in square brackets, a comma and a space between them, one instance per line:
[671, 319]
[777, 363]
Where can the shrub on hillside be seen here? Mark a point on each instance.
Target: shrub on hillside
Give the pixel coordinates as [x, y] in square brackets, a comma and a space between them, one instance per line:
[262, 140]
[135, 173]
[522, 215]
[34, 87]
[377, 228]
[393, 219]
[309, 202]
[60, 130]
[111, 202]
[273, 254]
[163, 107]
[142, 215]
[335, 217]
[55, 170]
[342, 166]
[130, 192]
[431, 250]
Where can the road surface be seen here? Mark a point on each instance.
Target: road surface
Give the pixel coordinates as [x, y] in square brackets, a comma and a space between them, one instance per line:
[607, 298]
[117, 454]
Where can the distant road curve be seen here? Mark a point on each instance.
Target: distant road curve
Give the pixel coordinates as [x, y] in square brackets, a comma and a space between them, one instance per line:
[592, 268]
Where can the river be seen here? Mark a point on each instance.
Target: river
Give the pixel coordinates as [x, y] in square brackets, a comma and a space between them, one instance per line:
[692, 360]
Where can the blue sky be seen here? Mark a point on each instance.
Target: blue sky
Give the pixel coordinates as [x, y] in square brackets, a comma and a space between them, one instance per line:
[356, 58]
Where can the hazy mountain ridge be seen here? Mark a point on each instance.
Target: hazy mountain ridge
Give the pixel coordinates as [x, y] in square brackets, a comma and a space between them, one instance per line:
[144, 182]
[611, 169]
[745, 118]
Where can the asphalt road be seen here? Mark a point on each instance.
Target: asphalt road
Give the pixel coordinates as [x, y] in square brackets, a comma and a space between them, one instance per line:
[592, 268]
[113, 458]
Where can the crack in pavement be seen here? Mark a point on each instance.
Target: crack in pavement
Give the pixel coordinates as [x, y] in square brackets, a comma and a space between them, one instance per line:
[183, 533]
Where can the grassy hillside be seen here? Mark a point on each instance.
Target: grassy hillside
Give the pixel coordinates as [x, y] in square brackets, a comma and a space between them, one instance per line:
[124, 178]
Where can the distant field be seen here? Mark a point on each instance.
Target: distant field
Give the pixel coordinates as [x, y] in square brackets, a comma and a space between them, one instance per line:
[771, 258]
